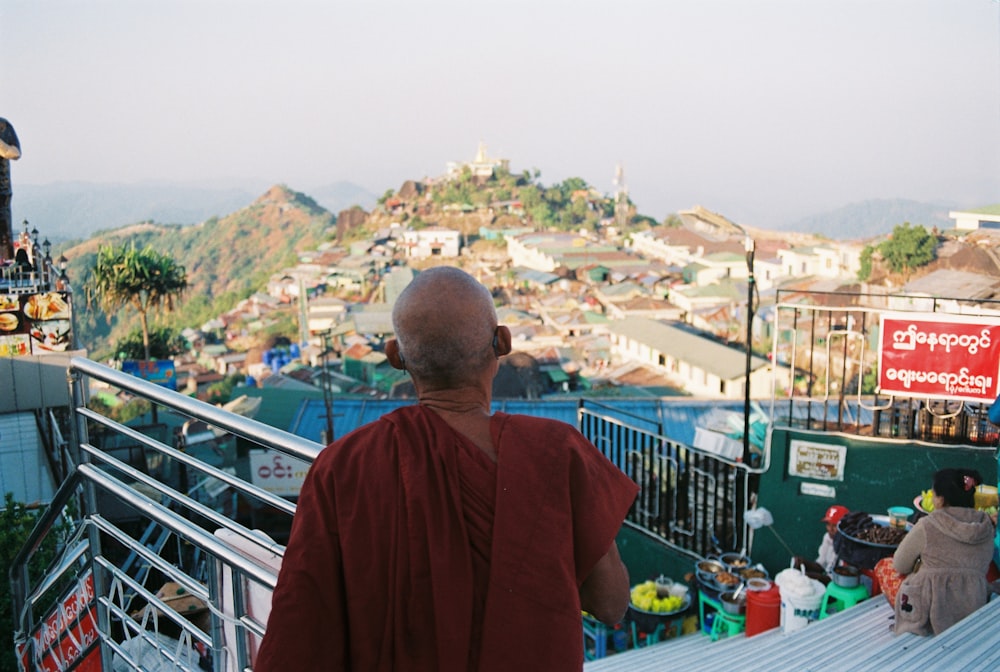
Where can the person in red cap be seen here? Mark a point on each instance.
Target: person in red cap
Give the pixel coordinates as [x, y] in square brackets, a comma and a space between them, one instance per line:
[827, 556]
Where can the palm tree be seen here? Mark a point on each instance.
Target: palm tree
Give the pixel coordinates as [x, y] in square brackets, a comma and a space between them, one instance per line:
[144, 279]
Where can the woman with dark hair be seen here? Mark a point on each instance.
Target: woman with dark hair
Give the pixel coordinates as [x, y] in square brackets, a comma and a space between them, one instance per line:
[952, 548]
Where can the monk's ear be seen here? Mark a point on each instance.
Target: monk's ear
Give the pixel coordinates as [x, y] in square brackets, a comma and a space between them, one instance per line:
[501, 341]
[393, 354]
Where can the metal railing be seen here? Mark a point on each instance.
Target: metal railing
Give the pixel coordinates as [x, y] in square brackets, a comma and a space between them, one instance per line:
[152, 573]
[689, 499]
[829, 342]
[148, 576]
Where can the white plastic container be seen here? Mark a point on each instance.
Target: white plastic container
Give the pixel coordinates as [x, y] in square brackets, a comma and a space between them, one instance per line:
[801, 598]
[799, 611]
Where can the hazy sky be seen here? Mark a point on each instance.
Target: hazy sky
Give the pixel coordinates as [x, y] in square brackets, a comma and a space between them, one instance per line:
[763, 110]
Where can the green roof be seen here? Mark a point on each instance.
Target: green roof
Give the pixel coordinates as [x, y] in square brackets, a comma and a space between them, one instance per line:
[557, 375]
[986, 210]
[279, 406]
[592, 317]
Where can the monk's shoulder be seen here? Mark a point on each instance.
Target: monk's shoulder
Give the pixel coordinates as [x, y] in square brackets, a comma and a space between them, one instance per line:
[542, 432]
[353, 446]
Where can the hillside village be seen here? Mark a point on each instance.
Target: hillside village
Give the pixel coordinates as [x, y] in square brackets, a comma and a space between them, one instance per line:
[594, 311]
[608, 306]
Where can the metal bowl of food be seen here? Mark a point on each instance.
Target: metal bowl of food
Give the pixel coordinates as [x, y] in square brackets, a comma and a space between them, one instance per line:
[846, 576]
[706, 570]
[733, 603]
[753, 572]
[734, 561]
[758, 584]
[725, 581]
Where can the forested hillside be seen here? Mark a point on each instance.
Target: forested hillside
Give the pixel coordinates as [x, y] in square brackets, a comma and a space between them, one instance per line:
[226, 259]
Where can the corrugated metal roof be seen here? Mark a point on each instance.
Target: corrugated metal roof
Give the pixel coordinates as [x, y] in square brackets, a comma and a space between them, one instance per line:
[947, 282]
[304, 413]
[721, 360]
[675, 419]
[856, 640]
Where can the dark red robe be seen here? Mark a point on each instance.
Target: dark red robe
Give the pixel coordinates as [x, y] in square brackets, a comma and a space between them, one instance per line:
[397, 560]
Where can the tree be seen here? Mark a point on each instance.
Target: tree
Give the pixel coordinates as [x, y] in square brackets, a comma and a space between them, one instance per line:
[16, 522]
[164, 343]
[908, 248]
[144, 279]
[865, 267]
[222, 391]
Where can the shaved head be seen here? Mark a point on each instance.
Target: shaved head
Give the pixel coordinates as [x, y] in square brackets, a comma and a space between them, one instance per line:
[444, 322]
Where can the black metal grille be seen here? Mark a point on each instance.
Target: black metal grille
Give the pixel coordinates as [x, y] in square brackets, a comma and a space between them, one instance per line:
[690, 499]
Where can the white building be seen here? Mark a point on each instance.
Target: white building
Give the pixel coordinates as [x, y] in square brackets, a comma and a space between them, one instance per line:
[705, 367]
[434, 241]
[481, 166]
[983, 218]
[825, 261]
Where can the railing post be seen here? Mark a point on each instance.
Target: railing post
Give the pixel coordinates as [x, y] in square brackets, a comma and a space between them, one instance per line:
[78, 424]
[216, 590]
[78, 427]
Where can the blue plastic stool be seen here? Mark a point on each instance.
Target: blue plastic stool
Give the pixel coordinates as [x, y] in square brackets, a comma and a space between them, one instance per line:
[650, 637]
[841, 598]
[595, 634]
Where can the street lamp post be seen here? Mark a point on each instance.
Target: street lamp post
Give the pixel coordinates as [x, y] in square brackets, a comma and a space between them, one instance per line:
[327, 383]
[728, 228]
[62, 285]
[750, 247]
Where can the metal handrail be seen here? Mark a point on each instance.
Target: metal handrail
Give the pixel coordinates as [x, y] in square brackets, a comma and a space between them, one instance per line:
[173, 521]
[238, 425]
[18, 573]
[636, 451]
[102, 475]
[105, 477]
[184, 458]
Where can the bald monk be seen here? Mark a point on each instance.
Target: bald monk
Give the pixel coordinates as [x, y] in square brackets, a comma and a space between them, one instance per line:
[443, 537]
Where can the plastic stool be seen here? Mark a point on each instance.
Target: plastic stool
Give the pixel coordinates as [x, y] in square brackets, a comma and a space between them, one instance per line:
[730, 623]
[842, 598]
[722, 621]
[595, 633]
[642, 638]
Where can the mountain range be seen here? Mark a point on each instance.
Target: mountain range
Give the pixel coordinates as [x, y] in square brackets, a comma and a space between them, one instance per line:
[75, 210]
[226, 258]
[868, 219]
[232, 241]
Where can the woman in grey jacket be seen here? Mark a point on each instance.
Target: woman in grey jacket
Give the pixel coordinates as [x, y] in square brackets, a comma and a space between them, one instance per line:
[954, 546]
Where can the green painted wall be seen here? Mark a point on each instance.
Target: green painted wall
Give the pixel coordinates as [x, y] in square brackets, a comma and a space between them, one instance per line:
[647, 558]
[877, 475]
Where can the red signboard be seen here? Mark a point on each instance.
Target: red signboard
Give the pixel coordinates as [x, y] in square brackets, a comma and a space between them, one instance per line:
[67, 640]
[939, 356]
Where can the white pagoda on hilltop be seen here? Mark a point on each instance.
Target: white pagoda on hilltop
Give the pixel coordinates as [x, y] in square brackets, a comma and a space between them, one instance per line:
[481, 166]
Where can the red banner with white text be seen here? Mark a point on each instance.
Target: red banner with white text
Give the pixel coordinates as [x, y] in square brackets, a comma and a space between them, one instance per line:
[939, 356]
[68, 639]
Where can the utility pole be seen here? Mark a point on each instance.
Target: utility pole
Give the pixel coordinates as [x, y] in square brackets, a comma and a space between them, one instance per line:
[327, 387]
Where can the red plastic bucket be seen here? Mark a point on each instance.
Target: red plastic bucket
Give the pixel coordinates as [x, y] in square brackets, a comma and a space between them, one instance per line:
[763, 610]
